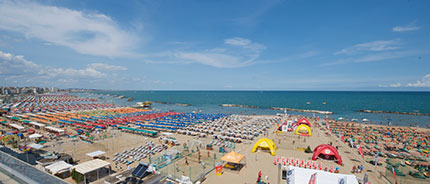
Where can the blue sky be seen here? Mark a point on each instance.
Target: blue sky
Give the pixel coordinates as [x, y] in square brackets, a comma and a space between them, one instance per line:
[216, 45]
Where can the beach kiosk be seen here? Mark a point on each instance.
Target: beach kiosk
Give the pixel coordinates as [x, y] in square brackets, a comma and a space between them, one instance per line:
[91, 169]
[60, 168]
[17, 127]
[303, 129]
[96, 154]
[327, 152]
[37, 125]
[265, 144]
[55, 130]
[234, 161]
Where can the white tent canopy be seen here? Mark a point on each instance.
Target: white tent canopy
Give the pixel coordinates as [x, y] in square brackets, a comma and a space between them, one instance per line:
[58, 130]
[297, 175]
[90, 166]
[167, 133]
[96, 153]
[37, 124]
[19, 127]
[34, 136]
[58, 167]
[35, 146]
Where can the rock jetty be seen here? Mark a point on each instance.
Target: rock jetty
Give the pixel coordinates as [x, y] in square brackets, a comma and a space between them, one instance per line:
[183, 104]
[237, 105]
[303, 110]
[395, 112]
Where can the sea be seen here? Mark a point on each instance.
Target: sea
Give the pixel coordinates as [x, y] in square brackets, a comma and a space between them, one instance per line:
[345, 105]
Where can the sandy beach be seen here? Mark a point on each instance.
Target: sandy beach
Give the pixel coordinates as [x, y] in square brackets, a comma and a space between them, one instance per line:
[198, 162]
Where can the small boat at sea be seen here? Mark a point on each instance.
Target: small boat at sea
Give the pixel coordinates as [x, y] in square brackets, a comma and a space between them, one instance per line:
[130, 99]
[308, 103]
[121, 97]
[355, 120]
[365, 120]
[145, 105]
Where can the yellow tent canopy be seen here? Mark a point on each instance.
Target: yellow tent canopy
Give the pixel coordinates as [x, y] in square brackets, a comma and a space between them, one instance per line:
[233, 157]
[303, 129]
[264, 143]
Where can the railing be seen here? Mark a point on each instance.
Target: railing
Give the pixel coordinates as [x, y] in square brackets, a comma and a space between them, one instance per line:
[26, 172]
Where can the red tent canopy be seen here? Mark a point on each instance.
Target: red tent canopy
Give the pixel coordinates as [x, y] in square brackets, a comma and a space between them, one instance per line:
[304, 121]
[326, 151]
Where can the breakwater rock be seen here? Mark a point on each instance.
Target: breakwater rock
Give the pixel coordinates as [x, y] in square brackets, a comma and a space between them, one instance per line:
[237, 105]
[183, 105]
[178, 104]
[395, 112]
[303, 110]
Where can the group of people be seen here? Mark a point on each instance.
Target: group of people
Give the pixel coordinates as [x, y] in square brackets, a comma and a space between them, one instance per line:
[357, 168]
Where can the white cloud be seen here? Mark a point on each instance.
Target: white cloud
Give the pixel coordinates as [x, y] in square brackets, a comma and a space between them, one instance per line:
[245, 43]
[410, 27]
[214, 59]
[237, 41]
[16, 69]
[236, 52]
[375, 46]
[376, 57]
[424, 82]
[103, 66]
[87, 33]
[396, 85]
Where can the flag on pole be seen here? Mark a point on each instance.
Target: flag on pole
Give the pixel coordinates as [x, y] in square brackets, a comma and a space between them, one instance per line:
[328, 127]
[376, 159]
[395, 178]
[313, 179]
[341, 137]
[360, 150]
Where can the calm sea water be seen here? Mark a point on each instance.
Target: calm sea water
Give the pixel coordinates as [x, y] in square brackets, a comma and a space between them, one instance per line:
[343, 104]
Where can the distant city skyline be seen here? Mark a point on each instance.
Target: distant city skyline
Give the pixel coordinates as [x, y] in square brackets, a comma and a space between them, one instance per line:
[216, 45]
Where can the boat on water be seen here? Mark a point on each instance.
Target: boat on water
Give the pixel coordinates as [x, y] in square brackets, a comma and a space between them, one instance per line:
[130, 99]
[364, 120]
[355, 120]
[144, 105]
[121, 97]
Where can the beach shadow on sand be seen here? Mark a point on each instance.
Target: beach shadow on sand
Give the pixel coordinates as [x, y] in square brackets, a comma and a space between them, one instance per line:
[355, 160]
[347, 152]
